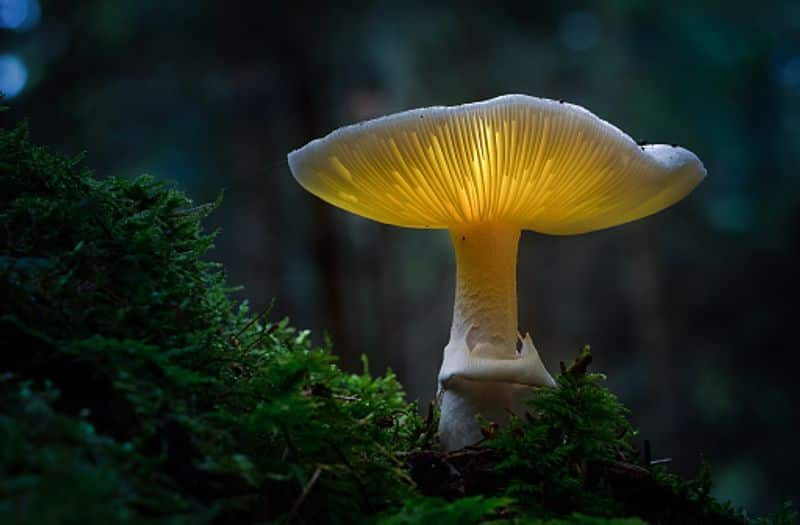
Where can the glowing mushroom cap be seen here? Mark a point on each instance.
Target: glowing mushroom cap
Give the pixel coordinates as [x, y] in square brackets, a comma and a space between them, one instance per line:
[535, 163]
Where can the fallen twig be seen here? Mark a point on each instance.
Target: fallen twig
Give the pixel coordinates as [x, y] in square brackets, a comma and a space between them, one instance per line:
[303, 495]
[267, 309]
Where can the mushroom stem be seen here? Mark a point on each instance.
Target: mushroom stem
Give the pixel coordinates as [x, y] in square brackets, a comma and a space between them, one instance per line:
[485, 308]
[482, 370]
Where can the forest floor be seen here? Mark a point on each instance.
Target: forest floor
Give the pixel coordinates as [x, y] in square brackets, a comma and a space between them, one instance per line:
[133, 389]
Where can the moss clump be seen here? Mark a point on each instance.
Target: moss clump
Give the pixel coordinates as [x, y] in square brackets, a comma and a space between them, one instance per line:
[132, 390]
[135, 391]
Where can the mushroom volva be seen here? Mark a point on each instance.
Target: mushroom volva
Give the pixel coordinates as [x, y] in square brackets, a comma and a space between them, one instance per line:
[486, 171]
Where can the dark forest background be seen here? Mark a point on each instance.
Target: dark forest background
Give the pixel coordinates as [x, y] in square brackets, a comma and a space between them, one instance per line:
[691, 313]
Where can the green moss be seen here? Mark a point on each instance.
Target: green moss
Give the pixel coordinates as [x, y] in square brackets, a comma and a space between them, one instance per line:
[134, 382]
[575, 452]
[133, 390]
[570, 432]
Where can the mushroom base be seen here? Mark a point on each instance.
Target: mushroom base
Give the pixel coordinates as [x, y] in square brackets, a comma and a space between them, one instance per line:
[493, 388]
[458, 425]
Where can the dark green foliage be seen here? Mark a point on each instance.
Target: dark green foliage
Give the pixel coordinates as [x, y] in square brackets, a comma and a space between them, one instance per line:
[569, 431]
[441, 512]
[574, 451]
[697, 492]
[132, 390]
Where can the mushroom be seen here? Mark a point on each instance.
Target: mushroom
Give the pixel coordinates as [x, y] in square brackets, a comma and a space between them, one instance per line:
[486, 171]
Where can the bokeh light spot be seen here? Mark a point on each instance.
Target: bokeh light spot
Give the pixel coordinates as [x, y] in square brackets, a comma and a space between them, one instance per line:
[790, 73]
[13, 75]
[19, 15]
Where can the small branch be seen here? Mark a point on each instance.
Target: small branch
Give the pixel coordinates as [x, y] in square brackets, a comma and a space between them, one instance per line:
[345, 398]
[662, 461]
[629, 469]
[267, 309]
[582, 362]
[288, 439]
[303, 495]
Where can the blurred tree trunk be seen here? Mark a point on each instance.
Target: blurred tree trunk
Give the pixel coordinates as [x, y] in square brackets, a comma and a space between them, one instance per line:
[326, 240]
[650, 330]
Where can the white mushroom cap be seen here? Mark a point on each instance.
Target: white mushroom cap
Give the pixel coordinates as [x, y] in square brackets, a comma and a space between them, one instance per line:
[535, 163]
